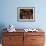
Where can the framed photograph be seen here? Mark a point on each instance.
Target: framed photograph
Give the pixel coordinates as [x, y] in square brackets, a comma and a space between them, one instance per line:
[26, 14]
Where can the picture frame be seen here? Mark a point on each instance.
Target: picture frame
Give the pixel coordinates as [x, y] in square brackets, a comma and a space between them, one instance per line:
[26, 14]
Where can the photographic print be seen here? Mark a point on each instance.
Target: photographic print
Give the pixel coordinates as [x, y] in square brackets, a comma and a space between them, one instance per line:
[25, 14]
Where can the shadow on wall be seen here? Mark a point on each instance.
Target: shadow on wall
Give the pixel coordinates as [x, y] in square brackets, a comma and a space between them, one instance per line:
[2, 26]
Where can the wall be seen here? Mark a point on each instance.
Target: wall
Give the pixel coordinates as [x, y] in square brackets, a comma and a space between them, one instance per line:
[9, 13]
